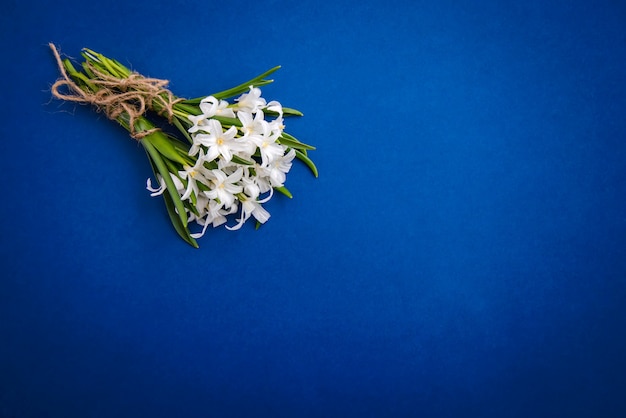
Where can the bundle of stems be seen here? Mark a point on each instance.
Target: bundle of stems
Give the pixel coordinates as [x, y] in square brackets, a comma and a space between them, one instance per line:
[141, 105]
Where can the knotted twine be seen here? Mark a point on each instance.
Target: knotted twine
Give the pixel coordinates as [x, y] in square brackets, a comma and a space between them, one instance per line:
[114, 96]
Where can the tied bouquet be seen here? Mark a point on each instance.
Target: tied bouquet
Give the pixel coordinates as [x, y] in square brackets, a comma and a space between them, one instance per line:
[216, 160]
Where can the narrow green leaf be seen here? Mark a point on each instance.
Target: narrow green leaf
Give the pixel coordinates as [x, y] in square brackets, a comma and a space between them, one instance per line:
[182, 231]
[243, 87]
[170, 166]
[81, 79]
[181, 147]
[165, 147]
[237, 159]
[228, 121]
[307, 161]
[176, 222]
[171, 188]
[287, 111]
[292, 142]
[182, 130]
[88, 71]
[160, 141]
[189, 107]
[284, 191]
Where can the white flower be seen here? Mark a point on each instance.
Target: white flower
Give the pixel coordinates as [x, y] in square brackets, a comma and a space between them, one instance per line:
[279, 168]
[268, 147]
[214, 215]
[225, 187]
[227, 167]
[251, 125]
[277, 126]
[162, 185]
[251, 206]
[217, 141]
[156, 191]
[199, 122]
[210, 106]
[252, 101]
[194, 174]
[261, 177]
[250, 186]
[275, 106]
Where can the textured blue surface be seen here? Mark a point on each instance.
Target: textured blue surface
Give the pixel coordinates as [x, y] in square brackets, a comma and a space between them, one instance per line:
[463, 252]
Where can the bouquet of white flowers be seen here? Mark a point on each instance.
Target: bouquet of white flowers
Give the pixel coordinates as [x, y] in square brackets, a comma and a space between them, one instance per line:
[225, 159]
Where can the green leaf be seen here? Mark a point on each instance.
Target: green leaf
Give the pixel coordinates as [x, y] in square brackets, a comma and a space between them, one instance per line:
[160, 141]
[189, 106]
[284, 191]
[227, 121]
[237, 159]
[287, 111]
[171, 188]
[105, 64]
[88, 71]
[181, 147]
[307, 161]
[176, 222]
[81, 79]
[243, 87]
[182, 130]
[289, 141]
[165, 147]
[171, 211]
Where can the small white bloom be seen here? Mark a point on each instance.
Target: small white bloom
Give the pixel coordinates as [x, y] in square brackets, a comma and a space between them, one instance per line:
[194, 175]
[156, 191]
[251, 125]
[225, 187]
[212, 106]
[275, 106]
[199, 122]
[227, 167]
[261, 177]
[216, 213]
[217, 141]
[277, 126]
[250, 186]
[214, 216]
[268, 147]
[163, 186]
[252, 101]
[252, 207]
[279, 168]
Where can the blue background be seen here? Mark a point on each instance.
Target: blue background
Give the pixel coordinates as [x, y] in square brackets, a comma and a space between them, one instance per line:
[461, 254]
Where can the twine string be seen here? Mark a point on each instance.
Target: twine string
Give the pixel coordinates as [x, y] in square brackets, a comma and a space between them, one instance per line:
[114, 96]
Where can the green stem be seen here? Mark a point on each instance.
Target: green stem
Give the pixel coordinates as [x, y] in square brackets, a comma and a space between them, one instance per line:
[171, 188]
